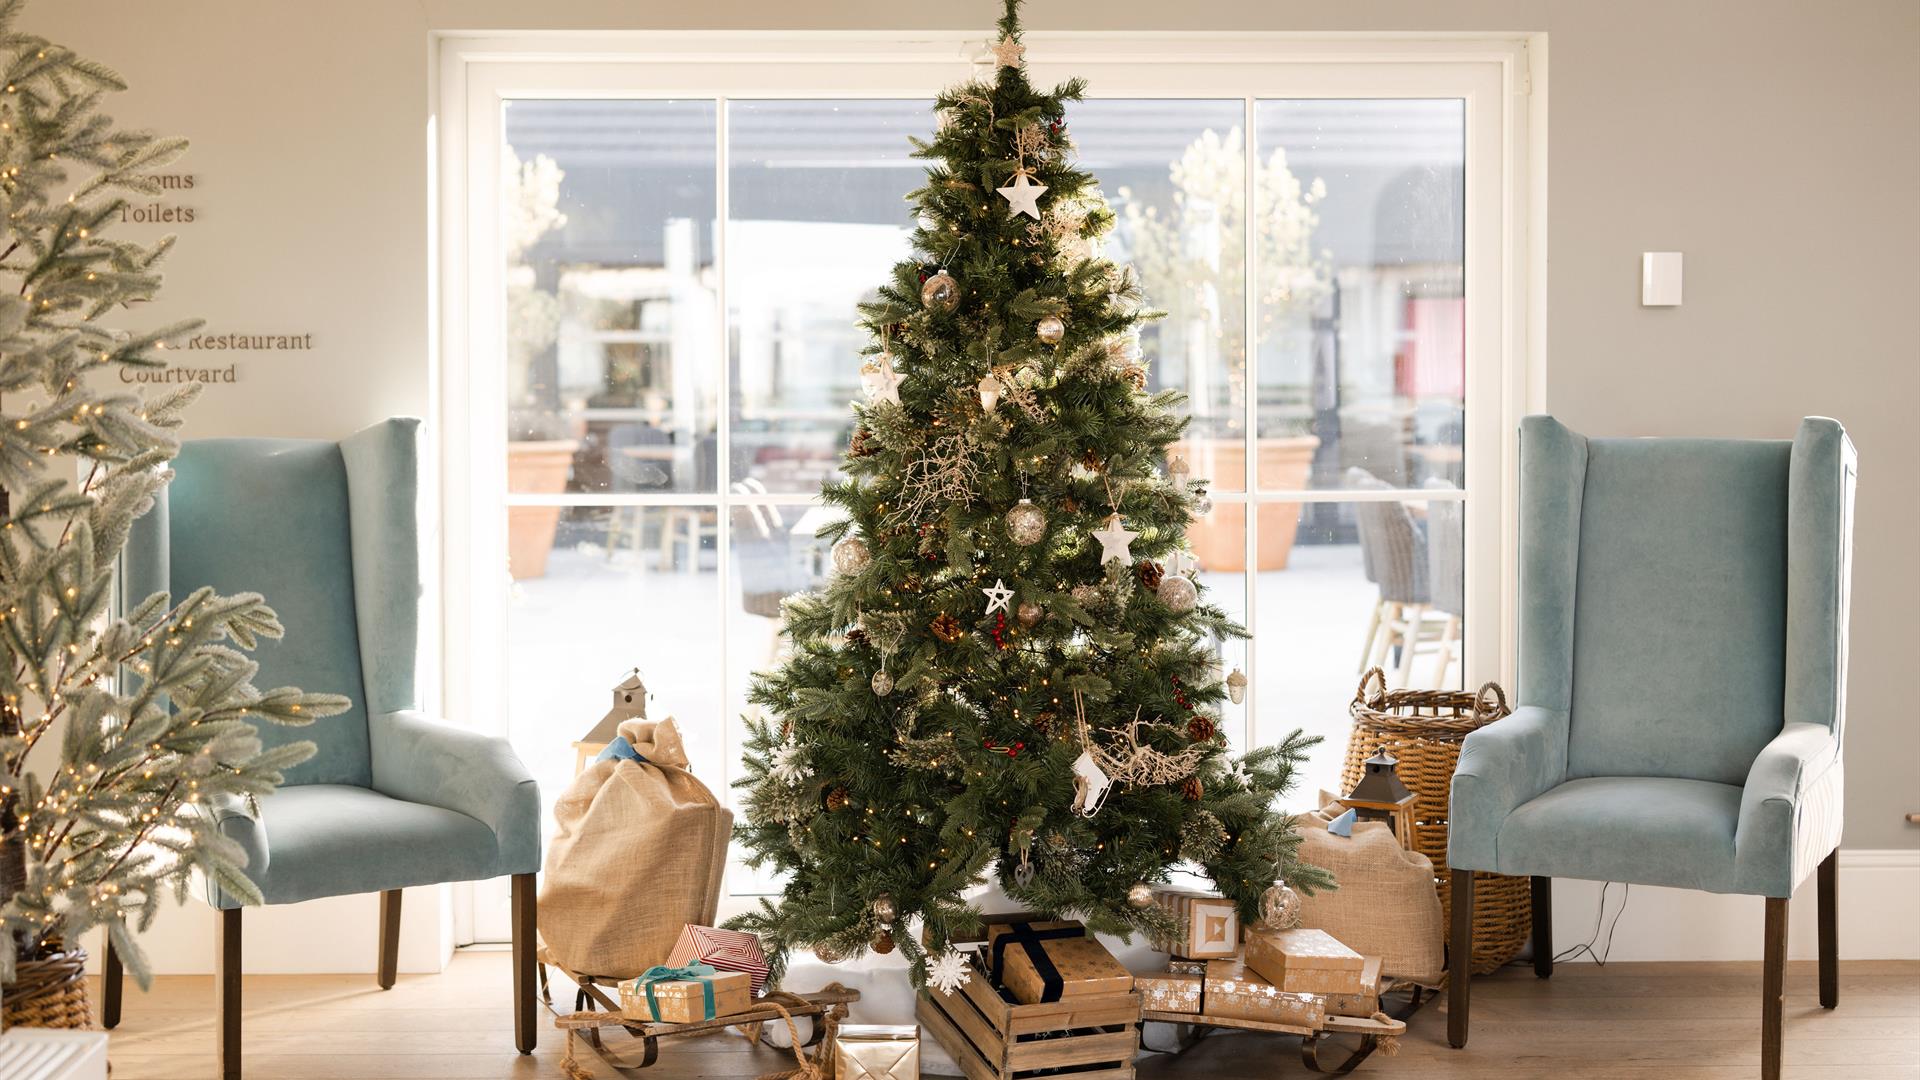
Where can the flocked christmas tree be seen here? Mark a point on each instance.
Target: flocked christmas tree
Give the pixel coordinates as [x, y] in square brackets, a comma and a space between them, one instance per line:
[116, 730]
[1012, 670]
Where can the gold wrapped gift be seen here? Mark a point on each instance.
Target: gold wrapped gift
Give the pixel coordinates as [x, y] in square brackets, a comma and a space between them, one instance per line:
[1169, 991]
[1209, 924]
[1235, 993]
[685, 995]
[1366, 1001]
[877, 1052]
[1304, 961]
[1047, 961]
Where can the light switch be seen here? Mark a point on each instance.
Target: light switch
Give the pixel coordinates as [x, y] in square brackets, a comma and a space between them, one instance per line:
[1659, 279]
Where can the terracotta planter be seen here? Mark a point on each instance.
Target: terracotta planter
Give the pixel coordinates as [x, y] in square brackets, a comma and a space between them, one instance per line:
[535, 468]
[1220, 539]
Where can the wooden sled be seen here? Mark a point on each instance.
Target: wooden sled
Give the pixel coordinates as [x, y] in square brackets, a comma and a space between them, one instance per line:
[1373, 1032]
[596, 1009]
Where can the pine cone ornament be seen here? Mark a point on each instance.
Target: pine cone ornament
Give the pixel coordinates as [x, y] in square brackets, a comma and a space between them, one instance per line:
[1150, 573]
[1091, 460]
[837, 799]
[1192, 789]
[1201, 728]
[861, 444]
[1136, 376]
[1046, 724]
[947, 628]
[857, 636]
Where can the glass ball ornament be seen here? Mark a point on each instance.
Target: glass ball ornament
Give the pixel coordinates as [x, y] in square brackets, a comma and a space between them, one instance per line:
[1029, 614]
[1178, 593]
[1140, 895]
[1050, 329]
[1279, 907]
[1203, 506]
[882, 683]
[850, 556]
[1026, 523]
[940, 292]
[829, 953]
[884, 909]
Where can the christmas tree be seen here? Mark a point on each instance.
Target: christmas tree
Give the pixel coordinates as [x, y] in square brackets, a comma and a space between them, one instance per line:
[1012, 669]
[116, 731]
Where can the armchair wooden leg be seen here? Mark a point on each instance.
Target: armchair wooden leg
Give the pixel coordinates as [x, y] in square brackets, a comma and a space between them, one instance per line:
[1773, 988]
[1460, 958]
[525, 1028]
[1830, 930]
[226, 993]
[112, 981]
[389, 937]
[1543, 927]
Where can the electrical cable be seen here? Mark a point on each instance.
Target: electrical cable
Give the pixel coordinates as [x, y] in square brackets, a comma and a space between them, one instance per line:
[1606, 949]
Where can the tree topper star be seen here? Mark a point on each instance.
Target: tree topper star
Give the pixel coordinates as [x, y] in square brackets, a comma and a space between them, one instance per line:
[1116, 541]
[998, 596]
[1008, 53]
[1023, 195]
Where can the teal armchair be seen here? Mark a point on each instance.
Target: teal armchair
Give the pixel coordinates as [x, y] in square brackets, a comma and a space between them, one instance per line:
[1682, 684]
[329, 533]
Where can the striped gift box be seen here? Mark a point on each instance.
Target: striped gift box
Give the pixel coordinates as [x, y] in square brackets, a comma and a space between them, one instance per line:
[725, 950]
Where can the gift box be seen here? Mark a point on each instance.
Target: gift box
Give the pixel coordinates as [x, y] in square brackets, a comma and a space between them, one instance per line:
[1364, 1002]
[1047, 961]
[1234, 992]
[723, 950]
[1169, 991]
[685, 994]
[1210, 924]
[877, 1052]
[1187, 967]
[1304, 961]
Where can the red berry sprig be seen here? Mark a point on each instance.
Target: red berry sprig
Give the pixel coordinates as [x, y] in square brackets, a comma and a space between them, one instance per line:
[1011, 751]
[1000, 630]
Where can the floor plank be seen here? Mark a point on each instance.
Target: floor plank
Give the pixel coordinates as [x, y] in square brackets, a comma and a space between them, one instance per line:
[1621, 1022]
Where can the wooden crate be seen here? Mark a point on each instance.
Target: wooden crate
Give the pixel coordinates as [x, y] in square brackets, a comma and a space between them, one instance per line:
[1087, 1038]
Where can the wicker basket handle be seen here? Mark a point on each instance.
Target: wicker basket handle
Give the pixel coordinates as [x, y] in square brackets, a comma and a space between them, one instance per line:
[1373, 675]
[1497, 709]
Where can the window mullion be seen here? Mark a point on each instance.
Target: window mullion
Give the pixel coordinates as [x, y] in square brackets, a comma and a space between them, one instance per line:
[1250, 402]
[723, 457]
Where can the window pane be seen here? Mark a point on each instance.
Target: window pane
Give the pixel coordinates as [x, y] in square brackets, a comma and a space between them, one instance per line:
[622, 587]
[1173, 171]
[1362, 310]
[1400, 562]
[817, 216]
[1226, 589]
[612, 364]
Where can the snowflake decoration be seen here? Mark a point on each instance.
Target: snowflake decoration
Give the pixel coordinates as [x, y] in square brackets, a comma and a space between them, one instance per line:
[788, 768]
[949, 971]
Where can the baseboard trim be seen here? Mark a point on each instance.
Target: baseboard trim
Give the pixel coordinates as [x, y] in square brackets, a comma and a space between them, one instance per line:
[1879, 915]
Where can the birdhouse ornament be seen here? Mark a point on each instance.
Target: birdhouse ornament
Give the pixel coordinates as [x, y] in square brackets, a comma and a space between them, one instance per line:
[629, 703]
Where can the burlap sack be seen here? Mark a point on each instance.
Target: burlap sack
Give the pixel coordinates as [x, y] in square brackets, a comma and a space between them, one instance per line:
[638, 854]
[1385, 906]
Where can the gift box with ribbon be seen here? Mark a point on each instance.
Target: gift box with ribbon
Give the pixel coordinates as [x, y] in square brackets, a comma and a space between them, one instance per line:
[1046, 961]
[725, 950]
[685, 994]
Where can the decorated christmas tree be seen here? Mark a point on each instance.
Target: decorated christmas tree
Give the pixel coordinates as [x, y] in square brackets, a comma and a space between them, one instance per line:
[1012, 670]
[117, 730]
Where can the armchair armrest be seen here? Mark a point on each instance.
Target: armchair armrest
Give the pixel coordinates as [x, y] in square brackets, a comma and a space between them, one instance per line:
[1790, 810]
[1502, 766]
[234, 819]
[424, 760]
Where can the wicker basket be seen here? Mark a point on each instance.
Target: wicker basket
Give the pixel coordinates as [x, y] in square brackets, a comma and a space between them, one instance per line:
[48, 991]
[1423, 729]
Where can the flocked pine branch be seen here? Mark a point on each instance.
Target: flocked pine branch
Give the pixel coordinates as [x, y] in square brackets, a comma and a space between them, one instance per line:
[119, 732]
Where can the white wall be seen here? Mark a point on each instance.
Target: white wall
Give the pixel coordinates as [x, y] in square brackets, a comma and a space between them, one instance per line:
[1775, 142]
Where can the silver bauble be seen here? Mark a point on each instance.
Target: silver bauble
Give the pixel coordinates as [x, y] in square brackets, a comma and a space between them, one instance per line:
[1026, 523]
[1178, 593]
[850, 556]
[884, 909]
[882, 683]
[940, 292]
[1050, 330]
[1140, 895]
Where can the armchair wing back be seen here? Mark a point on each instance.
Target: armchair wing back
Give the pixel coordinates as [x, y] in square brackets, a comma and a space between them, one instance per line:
[329, 533]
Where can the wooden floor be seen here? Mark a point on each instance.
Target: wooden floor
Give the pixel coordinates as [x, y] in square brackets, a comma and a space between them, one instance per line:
[1672, 1021]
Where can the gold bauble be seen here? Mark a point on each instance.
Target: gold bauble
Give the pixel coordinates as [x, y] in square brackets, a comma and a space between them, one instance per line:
[850, 556]
[1140, 895]
[1026, 523]
[829, 953]
[1178, 593]
[1050, 330]
[884, 908]
[1029, 614]
[940, 292]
